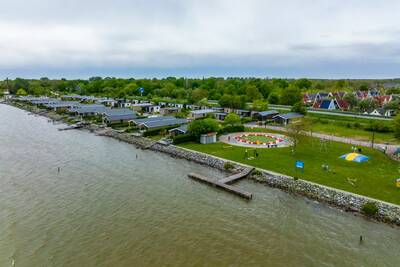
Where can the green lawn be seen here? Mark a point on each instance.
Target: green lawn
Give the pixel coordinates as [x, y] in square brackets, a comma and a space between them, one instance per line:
[351, 127]
[359, 134]
[375, 178]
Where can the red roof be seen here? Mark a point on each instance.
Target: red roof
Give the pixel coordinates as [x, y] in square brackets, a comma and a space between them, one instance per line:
[382, 99]
[342, 104]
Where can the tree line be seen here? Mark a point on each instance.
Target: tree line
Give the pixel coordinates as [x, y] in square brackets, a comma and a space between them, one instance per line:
[229, 92]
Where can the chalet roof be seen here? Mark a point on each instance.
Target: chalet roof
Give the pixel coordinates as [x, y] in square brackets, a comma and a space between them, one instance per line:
[183, 129]
[267, 112]
[163, 123]
[288, 116]
[203, 111]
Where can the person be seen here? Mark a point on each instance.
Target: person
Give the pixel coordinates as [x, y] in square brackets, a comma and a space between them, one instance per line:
[229, 138]
[246, 154]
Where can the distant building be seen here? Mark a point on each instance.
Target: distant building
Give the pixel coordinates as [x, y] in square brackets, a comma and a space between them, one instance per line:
[118, 115]
[331, 104]
[287, 118]
[201, 113]
[264, 115]
[183, 129]
[169, 111]
[158, 122]
[220, 116]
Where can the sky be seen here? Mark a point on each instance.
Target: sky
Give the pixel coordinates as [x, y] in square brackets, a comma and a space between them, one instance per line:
[193, 38]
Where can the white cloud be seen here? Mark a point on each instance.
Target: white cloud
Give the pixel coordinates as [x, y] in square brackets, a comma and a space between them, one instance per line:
[189, 34]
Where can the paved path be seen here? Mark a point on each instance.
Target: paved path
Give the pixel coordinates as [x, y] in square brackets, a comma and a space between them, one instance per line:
[332, 113]
[390, 148]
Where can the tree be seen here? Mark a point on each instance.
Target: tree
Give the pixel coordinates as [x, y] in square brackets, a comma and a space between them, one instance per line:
[368, 104]
[260, 105]
[21, 92]
[199, 94]
[396, 126]
[273, 98]
[252, 93]
[351, 99]
[294, 132]
[291, 95]
[299, 107]
[232, 119]
[199, 127]
[304, 84]
[392, 105]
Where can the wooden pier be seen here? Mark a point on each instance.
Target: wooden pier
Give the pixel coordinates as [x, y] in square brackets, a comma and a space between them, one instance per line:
[236, 177]
[225, 183]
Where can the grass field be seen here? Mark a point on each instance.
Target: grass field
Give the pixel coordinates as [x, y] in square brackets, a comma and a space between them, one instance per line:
[375, 178]
[350, 127]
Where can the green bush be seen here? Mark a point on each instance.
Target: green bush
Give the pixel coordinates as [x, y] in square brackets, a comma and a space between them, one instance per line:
[231, 129]
[256, 172]
[247, 120]
[369, 209]
[157, 131]
[183, 138]
[228, 165]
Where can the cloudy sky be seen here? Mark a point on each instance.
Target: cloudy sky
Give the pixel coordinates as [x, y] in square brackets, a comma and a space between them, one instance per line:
[157, 38]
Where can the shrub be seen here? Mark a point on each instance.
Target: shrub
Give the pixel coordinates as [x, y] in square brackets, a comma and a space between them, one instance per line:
[256, 172]
[231, 129]
[154, 132]
[199, 127]
[247, 120]
[183, 138]
[228, 166]
[369, 209]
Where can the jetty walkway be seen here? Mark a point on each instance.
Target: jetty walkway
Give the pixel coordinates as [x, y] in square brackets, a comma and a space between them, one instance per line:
[225, 183]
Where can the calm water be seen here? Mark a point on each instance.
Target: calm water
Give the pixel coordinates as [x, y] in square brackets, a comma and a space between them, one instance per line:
[108, 208]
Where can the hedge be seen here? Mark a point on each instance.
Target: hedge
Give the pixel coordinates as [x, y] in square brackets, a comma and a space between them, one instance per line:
[183, 138]
[231, 129]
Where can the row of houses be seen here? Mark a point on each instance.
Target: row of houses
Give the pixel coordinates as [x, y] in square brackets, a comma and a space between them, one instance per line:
[336, 101]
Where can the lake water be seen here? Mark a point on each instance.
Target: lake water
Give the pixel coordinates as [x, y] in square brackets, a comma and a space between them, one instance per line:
[108, 208]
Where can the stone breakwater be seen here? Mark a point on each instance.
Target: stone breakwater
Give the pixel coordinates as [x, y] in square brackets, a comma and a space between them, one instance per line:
[387, 212]
[350, 202]
[344, 200]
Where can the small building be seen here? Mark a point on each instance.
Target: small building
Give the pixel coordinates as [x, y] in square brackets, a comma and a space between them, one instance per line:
[118, 115]
[331, 104]
[183, 129]
[62, 105]
[108, 102]
[201, 113]
[265, 115]
[220, 116]
[88, 110]
[286, 118]
[158, 122]
[169, 111]
[381, 112]
[146, 108]
[208, 138]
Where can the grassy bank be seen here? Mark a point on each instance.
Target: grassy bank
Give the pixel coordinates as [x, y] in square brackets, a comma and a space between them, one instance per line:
[375, 178]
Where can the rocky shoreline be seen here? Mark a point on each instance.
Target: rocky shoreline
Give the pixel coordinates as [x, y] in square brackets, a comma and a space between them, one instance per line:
[387, 212]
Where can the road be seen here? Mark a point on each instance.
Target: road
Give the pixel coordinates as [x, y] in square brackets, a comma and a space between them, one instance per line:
[331, 113]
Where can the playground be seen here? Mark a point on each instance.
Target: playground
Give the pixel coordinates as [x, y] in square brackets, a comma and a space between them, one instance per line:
[368, 172]
[256, 140]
